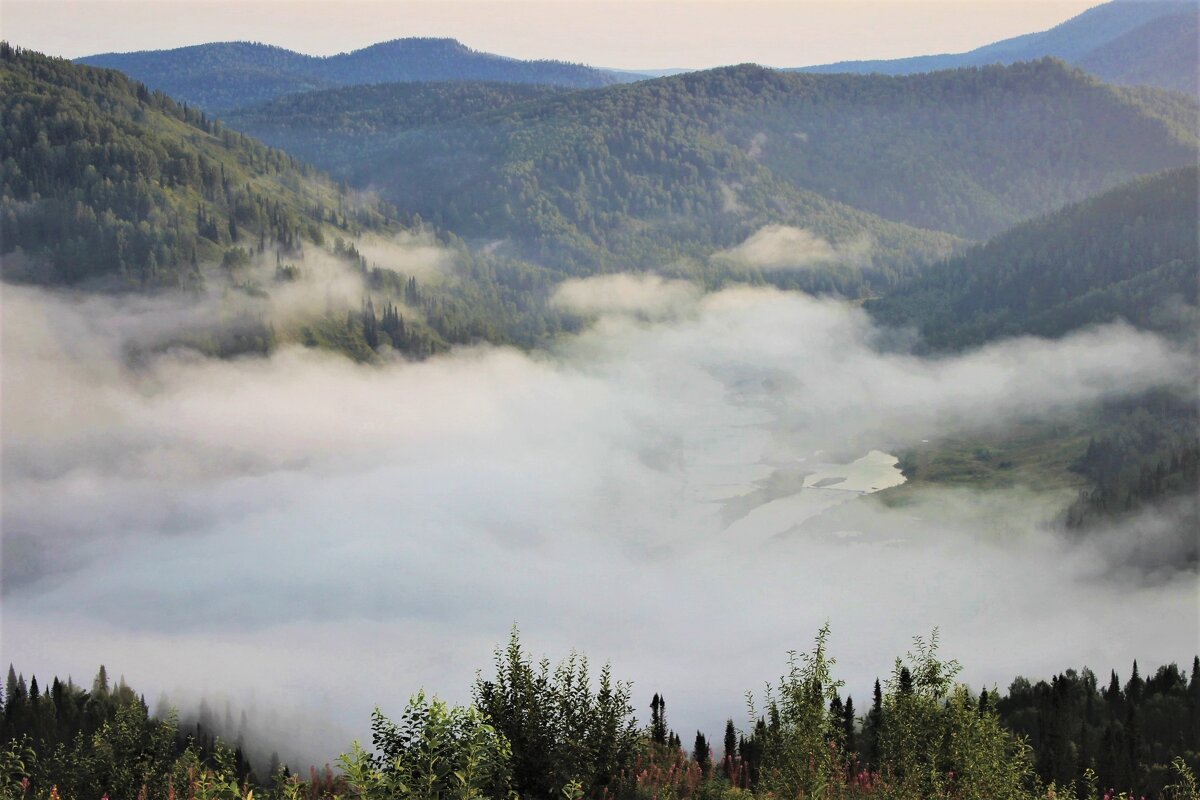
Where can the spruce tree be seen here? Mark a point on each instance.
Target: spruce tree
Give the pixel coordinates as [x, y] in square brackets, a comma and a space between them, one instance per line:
[730, 752]
[658, 720]
[702, 754]
[873, 728]
[849, 742]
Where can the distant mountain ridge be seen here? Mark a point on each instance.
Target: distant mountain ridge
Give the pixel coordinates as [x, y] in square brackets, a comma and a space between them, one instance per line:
[1127, 42]
[225, 75]
[666, 170]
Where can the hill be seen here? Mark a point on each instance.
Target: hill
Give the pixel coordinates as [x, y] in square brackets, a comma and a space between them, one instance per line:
[1160, 53]
[1126, 42]
[103, 179]
[106, 185]
[1130, 253]
[225, 75]
[679, 168]
[335, 127]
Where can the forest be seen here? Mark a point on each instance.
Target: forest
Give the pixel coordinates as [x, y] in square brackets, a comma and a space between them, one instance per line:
[669, 171]
[538, 731]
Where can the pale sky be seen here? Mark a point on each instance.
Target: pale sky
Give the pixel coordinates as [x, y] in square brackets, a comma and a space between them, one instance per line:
[656, 34]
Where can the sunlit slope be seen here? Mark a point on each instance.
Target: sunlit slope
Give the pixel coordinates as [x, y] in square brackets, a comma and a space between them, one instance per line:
[103, 179]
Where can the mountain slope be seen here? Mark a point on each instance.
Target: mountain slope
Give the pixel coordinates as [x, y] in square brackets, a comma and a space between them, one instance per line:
[100, 178]
[1089, 40]
[680, 167]
[334, 127]
[225, 75]
[1158, 53]
[1130, 253]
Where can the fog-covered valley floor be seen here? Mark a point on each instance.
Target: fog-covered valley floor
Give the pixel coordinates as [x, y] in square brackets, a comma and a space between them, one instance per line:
[687, 489]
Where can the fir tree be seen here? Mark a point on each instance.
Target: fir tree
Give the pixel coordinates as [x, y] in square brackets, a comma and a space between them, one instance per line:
[702, 754]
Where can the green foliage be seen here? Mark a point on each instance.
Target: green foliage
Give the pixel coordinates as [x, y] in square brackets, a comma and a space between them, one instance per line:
[802, 751]
[670, 171]
[70, 744]
[436, 752]
[562, 729]
[1140, 738]
[101, 179]
[1130, 253]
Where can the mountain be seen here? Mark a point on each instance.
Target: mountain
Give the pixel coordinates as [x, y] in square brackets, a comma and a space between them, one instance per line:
[104, 179]
[336, 127]
[1151, 55]
[225, 75]
[676, 169]
[1130, 253]
[108, 186]
[1127, 42]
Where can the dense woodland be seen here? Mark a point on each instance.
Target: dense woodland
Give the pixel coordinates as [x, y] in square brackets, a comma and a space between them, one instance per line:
[226, 75]
[537, 731]
[108, 185]
[102, 178]
[1128, 254]
[668, 171]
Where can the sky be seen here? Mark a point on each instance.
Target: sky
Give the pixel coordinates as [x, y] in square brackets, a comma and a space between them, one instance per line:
[658, 34]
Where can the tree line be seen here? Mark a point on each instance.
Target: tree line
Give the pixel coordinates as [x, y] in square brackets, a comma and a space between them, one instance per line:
[535, 730]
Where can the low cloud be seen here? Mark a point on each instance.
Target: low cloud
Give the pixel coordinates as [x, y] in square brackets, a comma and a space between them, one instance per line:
[784, 247]
[625, 293]
[414, 253]
[661, 494]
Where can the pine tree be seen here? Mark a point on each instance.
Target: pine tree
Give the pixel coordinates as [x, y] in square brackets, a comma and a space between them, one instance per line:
[100, 685]
[1193, 691]
[10, 685]
[702, 754]
[730, 751]
[658, 720]
[1133, 689]
[848, 721]
[873, 728]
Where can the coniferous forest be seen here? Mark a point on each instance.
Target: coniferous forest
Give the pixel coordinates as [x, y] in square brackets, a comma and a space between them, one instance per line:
[533, 730]
[319, 370]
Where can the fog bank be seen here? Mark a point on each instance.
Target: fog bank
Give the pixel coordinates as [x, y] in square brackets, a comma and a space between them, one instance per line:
[300, 532]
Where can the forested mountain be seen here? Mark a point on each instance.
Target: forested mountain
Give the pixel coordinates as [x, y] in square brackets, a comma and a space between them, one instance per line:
[1130, 253]
[225, 75]
[108, 185]
[103, 179]
[679, 167]
[1162, 53]
[338, 127]
[1128, 42]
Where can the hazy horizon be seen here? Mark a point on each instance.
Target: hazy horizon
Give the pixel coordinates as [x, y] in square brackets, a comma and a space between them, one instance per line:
[668, 34]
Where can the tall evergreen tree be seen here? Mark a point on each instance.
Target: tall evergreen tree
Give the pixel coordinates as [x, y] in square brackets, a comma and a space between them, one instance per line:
[702, 754]
[848, 722]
